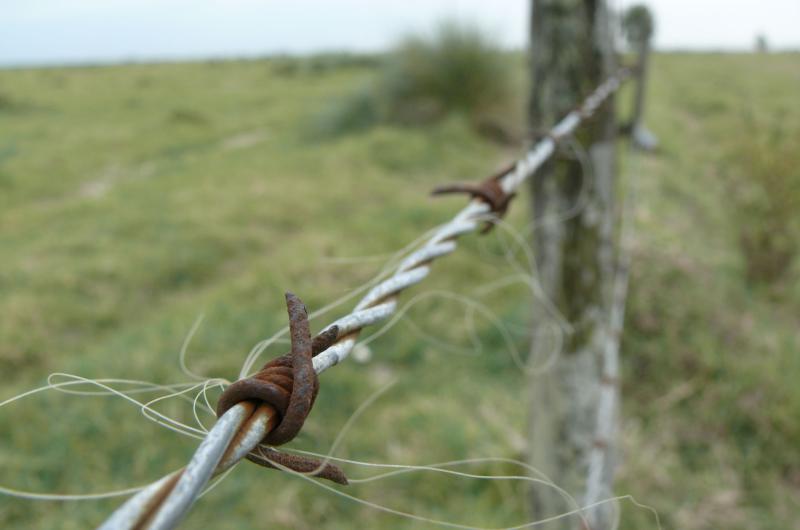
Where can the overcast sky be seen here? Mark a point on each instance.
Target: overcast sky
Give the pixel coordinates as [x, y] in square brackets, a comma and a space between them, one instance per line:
[56, 31]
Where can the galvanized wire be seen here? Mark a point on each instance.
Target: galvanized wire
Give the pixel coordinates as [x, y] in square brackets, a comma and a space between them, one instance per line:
[601, 457]
[163, 504]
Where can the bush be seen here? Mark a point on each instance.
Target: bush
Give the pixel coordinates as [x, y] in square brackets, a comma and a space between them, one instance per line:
[458, 69]
[638, 24]
[765, 190]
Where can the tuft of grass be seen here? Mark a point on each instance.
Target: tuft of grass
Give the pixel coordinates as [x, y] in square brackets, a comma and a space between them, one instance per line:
[9, 105]
[354, 112]
[764, 183]
[183, 116]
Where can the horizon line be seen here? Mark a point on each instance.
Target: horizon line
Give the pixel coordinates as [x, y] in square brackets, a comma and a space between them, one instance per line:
[167, 59]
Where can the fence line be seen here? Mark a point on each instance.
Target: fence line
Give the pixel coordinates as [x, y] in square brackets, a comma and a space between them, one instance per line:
[163, 504]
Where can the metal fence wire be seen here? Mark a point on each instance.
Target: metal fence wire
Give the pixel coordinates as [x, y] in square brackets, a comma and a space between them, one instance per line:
[239, 431]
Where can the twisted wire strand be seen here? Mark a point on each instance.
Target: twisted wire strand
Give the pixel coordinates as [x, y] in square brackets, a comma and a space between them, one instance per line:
[163, 504]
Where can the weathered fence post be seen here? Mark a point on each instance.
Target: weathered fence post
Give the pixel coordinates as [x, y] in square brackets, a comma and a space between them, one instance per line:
[638, 27]
[572, 52]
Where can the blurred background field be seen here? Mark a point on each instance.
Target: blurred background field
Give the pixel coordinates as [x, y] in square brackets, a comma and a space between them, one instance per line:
[135, 198]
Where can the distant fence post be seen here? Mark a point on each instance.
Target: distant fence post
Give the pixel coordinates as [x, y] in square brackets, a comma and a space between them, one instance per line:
[573, 211]
[638, 26]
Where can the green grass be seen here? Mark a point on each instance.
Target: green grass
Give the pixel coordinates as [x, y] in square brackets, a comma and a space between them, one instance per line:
[134, 198]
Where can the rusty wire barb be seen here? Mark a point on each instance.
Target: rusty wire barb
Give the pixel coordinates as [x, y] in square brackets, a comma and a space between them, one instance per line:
[239, 430]
[290, 386]
[489, 191]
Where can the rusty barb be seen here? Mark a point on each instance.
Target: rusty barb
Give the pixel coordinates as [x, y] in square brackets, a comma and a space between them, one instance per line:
[290, 385]
[489, 191]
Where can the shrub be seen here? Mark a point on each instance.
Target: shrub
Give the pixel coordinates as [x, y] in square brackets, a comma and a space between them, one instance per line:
[458, 69]
[764, 181]
[638, 24]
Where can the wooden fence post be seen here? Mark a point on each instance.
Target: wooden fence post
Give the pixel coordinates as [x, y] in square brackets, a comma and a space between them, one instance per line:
[638, 27]
[571, 53]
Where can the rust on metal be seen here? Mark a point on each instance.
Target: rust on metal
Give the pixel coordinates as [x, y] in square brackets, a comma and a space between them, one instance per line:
[271, 458]
[489, 191]
[152, 505]
[289, 384]
[324, 340]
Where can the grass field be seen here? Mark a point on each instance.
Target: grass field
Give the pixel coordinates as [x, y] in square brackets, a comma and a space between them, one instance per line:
[135, 198]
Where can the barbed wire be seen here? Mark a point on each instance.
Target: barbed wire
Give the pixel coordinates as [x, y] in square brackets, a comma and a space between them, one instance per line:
[164, 503]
